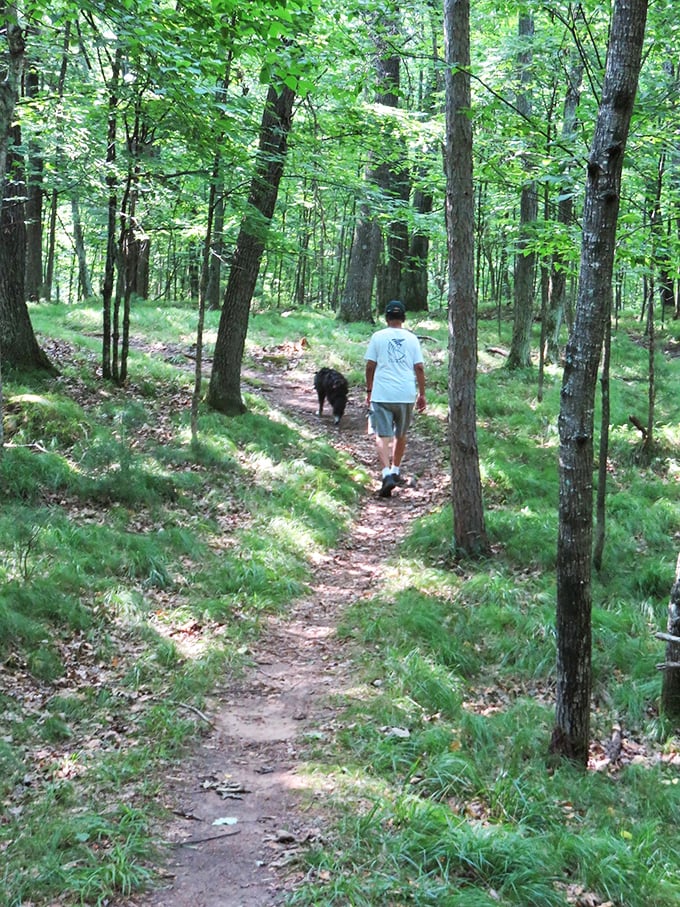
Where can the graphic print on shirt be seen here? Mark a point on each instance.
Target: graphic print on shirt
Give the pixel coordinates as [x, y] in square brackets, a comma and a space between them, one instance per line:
[395, 351]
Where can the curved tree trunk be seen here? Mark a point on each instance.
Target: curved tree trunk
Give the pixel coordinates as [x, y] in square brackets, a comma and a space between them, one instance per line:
[224, 393]
[571, 734]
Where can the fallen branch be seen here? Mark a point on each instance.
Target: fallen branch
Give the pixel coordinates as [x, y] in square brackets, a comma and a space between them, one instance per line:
[228, 834]
[640, 427]
[192, 708]
[32, 445]
[667, 637]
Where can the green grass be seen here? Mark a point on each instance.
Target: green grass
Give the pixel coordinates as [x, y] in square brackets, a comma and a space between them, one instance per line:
[115, 529]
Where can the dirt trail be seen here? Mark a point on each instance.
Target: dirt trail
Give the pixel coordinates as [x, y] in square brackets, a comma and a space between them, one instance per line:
[247, 768]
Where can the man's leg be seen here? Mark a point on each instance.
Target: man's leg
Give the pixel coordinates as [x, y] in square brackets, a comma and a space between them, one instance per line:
[384, 447]
[398, 448]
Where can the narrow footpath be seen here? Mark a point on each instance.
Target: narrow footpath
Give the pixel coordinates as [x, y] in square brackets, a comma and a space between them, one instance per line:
[246, 773]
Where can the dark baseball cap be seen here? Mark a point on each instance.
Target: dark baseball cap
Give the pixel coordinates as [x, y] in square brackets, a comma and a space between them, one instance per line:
[395, 309]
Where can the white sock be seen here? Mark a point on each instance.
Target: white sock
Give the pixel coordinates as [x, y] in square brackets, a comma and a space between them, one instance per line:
[386, 471]
[395, 470]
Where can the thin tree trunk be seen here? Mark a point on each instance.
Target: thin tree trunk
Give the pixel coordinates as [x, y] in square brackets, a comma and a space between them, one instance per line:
[18, 345]
[356, 302]
[519, 355]
[466, 488]
[571, 734]
[34, 199]
[565, 214]
[670, 689]
[601, 509]
[79, 243]
[58, 164]
[202, 302]
[224, 393]
[2, 412]
[108, 341]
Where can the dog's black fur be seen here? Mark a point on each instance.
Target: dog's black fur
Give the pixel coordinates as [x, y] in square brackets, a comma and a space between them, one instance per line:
[331, 385]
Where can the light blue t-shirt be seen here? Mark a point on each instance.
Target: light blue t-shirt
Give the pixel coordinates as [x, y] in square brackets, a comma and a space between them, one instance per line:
[396, 351]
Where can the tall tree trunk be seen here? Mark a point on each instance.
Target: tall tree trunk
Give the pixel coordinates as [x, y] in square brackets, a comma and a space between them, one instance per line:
[112, 209]
[18, 345]
[565, 215]
[34, 198]
[414, 282]
[519, 355]
[79, 243]
[602, 472]
[212, 292]
[670, 689]
[224, 393]
[415, 285]
[2, 412]
[571, 734]
[9, 87]
[58, 164]
[356, 301]
[355, 304]
[466, 487]
[391, 176]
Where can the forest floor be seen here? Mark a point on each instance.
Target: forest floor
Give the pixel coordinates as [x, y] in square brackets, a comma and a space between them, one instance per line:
[242, 803]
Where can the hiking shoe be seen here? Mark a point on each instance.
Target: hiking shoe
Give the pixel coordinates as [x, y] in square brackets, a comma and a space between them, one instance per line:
[388, 483]
[399, 479]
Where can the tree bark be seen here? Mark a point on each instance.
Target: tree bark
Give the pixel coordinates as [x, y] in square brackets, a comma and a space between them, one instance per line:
[565, 215]
[414, 283]
[356, 299]
[602, 473]
[468, 512]
[525, 260]
[18, 345]
[112, 208]
[670, 691]
[224, 393]
[571, 734]
[79, 244]
[34, 200]
[356, 302]
[58, 165]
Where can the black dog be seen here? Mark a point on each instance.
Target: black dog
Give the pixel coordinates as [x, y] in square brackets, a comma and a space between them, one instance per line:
[330, 384]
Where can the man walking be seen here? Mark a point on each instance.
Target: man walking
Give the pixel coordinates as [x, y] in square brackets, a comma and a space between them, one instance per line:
[395, 383]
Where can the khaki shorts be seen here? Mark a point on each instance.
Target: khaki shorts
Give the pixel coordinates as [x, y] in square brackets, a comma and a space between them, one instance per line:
[388, 419]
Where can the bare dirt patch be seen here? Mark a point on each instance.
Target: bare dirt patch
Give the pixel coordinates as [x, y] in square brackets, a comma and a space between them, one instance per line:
[247, 774]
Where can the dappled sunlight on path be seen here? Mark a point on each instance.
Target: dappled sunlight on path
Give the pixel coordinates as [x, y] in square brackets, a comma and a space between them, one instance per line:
[245, 802]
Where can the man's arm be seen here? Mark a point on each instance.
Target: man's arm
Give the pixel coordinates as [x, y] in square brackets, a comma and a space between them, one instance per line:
[419, 369]
[370, 374]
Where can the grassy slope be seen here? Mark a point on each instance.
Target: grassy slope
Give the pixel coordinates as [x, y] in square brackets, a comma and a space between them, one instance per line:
[134, 570]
